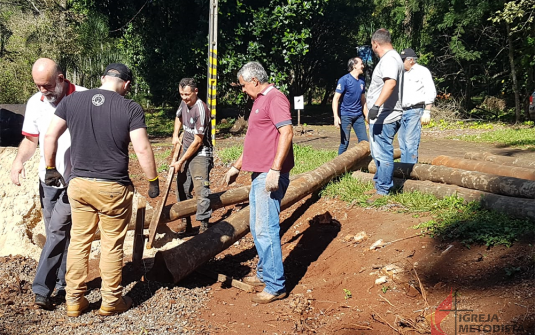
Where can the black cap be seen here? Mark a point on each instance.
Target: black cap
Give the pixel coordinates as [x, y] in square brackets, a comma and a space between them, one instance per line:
[408, 53]
[123, 71]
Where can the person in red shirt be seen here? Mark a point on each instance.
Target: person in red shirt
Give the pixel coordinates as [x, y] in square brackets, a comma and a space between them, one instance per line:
[268, 154]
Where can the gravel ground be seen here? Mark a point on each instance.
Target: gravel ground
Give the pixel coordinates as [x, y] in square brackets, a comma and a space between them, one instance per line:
[158, 308]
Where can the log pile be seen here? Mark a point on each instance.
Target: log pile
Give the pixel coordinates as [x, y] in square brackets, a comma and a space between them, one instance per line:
[174, 264]
[499, 183]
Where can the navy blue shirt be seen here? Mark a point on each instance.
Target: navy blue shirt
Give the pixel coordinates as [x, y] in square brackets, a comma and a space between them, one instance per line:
[351, 90]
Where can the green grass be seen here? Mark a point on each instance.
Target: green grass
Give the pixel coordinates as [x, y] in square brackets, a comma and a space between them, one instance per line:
[230, 154]
[306, 158]
[450, 218]
[523, 138]
[160, 123]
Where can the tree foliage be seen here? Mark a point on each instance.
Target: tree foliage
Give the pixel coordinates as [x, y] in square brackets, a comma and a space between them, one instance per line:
[474, 48]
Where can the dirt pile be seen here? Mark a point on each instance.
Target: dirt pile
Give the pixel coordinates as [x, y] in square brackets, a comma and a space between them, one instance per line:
[21, 224]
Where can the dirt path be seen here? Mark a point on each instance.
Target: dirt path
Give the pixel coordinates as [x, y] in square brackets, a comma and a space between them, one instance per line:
[332, 281]
[330, 277]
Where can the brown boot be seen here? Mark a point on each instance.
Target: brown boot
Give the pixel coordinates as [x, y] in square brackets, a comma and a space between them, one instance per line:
[76, 309]
[253, 280]
[266, 298]
[123, 305]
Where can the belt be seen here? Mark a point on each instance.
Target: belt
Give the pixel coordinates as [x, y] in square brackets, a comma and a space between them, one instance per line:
[414, 107]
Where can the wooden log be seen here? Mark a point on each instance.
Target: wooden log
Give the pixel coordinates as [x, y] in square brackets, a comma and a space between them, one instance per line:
[503, 160]
[174, 264]
[510, 186]
[139, 239]
[487, 167]
[363, 163]
[217, 200]
[514, 207]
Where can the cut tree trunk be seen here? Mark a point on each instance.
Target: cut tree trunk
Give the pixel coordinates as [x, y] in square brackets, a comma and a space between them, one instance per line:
[501, 170]
[514, 207]
[175, 264]
[503, 160]
[510, 186]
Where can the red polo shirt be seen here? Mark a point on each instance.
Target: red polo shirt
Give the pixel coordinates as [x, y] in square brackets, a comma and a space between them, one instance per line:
[271, 110]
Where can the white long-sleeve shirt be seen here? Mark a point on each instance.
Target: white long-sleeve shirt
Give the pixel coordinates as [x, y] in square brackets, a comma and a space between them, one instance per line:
[418, 86]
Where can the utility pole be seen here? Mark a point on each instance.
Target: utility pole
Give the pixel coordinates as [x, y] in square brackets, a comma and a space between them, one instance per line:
[211, 94]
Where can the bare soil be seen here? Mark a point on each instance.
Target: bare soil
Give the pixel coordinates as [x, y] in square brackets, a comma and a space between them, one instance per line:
[332, 279]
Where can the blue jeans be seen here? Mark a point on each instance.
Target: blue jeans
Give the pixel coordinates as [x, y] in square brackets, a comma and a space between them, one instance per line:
[382, 148]
[359, 126]
[409, 135]
[264, 222]
[52, 265]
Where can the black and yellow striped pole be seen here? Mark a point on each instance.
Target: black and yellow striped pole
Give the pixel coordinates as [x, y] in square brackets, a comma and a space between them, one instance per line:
[212, 65]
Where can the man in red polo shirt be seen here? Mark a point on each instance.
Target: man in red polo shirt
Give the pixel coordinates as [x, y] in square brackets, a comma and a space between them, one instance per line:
[53, 87]
[268, 154]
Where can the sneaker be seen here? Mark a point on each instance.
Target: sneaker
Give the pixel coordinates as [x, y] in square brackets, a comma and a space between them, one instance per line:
[74, 310]
[203, 227]
[253, 280]
[122, 306]
[43, 302]
[266, 298]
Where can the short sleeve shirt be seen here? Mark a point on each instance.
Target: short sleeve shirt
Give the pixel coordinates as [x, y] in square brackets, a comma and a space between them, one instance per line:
[390, 66]
[351, 89]
[37, 118]
[270, 111]
[100, 122]
[196, 121]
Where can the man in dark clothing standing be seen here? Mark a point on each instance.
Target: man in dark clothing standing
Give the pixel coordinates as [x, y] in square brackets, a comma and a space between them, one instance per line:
[101, 123]
[196, 160]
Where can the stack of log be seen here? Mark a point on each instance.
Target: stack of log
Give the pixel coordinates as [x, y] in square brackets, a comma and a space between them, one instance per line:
[499, 183]
[174, 264]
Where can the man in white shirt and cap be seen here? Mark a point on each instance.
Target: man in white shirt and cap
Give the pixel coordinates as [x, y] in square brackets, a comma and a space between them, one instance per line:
[418, 96]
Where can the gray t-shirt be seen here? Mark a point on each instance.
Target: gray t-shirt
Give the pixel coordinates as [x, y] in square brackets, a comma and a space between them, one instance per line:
[390, 66]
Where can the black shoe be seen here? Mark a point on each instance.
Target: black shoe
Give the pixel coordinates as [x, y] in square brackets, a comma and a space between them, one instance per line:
[43, 302]
[59, 294]
[204, 226]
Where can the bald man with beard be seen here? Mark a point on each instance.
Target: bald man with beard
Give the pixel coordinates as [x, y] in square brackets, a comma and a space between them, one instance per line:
[56, 210]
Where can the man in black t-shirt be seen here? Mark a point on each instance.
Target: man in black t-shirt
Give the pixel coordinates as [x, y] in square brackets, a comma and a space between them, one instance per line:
[101, 123]
[196, 161]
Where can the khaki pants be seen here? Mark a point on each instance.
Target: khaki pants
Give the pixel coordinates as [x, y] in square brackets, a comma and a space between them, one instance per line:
[108, 206]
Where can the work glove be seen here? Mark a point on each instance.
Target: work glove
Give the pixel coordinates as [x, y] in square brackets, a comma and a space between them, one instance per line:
[231, 175]
[272, 180]
[426, 117]
[372, 114]
[154, 187]
[54, 178]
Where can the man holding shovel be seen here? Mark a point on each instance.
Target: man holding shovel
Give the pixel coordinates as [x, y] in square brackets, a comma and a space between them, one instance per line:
[196, 160]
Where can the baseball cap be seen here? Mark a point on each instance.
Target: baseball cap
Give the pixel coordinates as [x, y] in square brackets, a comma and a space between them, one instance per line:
[408, 53]
[124, 72]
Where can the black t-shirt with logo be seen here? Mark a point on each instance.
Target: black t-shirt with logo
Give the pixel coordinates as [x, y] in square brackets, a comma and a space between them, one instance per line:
[100, 122]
